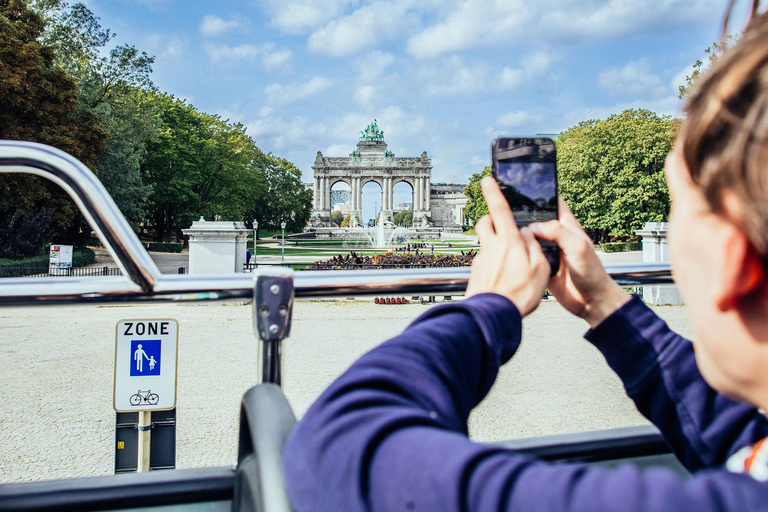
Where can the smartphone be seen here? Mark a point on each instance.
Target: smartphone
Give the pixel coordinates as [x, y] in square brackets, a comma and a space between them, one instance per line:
[526, 170]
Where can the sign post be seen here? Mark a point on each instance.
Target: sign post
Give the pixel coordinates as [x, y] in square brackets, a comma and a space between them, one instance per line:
[146, 359]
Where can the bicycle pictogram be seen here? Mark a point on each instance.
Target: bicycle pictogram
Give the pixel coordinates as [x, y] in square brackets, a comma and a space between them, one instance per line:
[144, 397]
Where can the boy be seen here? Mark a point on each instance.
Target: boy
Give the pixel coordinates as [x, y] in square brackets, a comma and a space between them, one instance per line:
[390, 434]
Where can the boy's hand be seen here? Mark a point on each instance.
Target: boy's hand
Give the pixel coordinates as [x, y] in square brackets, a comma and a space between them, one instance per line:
[581, 285]
[510, 261]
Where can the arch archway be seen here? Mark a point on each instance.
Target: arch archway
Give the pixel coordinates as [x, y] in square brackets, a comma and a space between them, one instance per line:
[402, 203]
[371, 200]
[341, 201]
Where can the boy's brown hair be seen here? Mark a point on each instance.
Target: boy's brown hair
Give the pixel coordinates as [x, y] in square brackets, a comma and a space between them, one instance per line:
[725, 137]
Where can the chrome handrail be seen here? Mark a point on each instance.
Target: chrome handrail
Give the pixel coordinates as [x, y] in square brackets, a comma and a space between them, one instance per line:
[143, 282]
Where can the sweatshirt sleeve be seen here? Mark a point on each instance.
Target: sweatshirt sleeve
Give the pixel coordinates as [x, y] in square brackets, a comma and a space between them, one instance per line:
[659, 372]
[390, 435]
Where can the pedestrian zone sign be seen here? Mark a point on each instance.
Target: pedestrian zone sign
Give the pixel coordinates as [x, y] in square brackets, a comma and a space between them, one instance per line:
[145, 365]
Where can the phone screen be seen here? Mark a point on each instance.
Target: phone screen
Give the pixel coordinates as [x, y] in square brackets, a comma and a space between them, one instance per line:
[526, 171]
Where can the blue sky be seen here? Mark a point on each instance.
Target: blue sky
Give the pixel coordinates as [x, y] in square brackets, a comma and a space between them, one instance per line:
[442, 76]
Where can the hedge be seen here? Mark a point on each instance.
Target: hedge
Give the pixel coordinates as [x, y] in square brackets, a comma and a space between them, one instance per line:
[622, 246]
[39, 264]
[165, 247]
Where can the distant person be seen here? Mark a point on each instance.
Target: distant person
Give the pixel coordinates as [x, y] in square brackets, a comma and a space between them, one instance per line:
[147, 246]
[247, 257]
[391, 433]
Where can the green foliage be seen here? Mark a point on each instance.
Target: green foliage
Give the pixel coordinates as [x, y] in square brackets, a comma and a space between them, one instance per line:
[476, 206]
[284, 198]
[404, 218]
[165, 247]
[621, 246]
[39, 104]
[336, 218]
[345, 222]
[164, 163]
[613, 247]
[713, 53]
[611, 172]
[109, 89]
[82, 257]
[15, 267]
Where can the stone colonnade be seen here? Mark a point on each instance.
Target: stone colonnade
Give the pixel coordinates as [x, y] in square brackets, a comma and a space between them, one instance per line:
[421, 192]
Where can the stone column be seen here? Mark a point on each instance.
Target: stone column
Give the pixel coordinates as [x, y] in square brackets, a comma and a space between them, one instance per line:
[317, 194]
[656, 250]
[428, 191]
[321, 193]
[326, 201]
[417, 199]
[389, 193]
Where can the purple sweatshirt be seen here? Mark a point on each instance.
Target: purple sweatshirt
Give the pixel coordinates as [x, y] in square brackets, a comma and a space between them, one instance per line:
[391, 432]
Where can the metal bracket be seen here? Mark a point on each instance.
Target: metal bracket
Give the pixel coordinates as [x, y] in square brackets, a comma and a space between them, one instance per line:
[272, 312]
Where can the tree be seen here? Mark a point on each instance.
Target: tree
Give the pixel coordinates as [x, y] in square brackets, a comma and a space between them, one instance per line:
[403, 218]
[476, 206]
[611, 172]
[39, 104]
[201, 165]
[345, 222]
[111, 86]
[713, 53]
[336, 218]
[286, 198]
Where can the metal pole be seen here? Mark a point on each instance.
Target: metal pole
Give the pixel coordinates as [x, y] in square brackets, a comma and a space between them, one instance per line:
[145, 432]
[255, 236]
[282, 226]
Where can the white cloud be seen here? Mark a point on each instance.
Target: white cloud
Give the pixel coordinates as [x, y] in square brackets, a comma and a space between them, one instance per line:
[532, 67]
[373, 64]
[171, 48]
[514, 119]
[454, 78]
[230, 55]
[213, 26]
[668, 106]
[490, 23]
[273, 58]
[363, 28]
[293, 16]
[338, 150]
[364, 94]
[277, 94]
[636, 79]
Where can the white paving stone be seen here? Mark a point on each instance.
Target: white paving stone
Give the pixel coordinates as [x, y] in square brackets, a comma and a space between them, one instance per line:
[57, 420]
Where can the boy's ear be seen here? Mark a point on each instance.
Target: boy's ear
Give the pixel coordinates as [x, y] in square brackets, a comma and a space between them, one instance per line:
[742, 268]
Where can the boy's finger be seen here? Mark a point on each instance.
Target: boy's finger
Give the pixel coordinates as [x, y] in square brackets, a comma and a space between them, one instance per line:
[498, 208]
[565, 214]
[571, 241]
[484, 229]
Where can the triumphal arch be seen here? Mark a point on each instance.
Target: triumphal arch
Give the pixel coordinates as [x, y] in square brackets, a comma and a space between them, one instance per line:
[371, 161]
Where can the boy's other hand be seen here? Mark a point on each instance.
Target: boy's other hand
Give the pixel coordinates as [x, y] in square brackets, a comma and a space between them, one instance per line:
[581, 285]
[510, 261]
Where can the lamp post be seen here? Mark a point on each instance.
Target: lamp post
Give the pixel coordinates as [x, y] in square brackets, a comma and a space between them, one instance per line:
[255, 237]
[282, 226]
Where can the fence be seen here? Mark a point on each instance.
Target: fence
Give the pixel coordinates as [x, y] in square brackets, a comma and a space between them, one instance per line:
[248, 267]
[70, 272]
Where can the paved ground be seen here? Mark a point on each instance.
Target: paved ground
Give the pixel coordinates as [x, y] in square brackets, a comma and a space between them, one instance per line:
[57, 420]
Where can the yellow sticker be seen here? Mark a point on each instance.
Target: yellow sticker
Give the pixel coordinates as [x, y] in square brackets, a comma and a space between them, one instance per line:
[120, 445]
